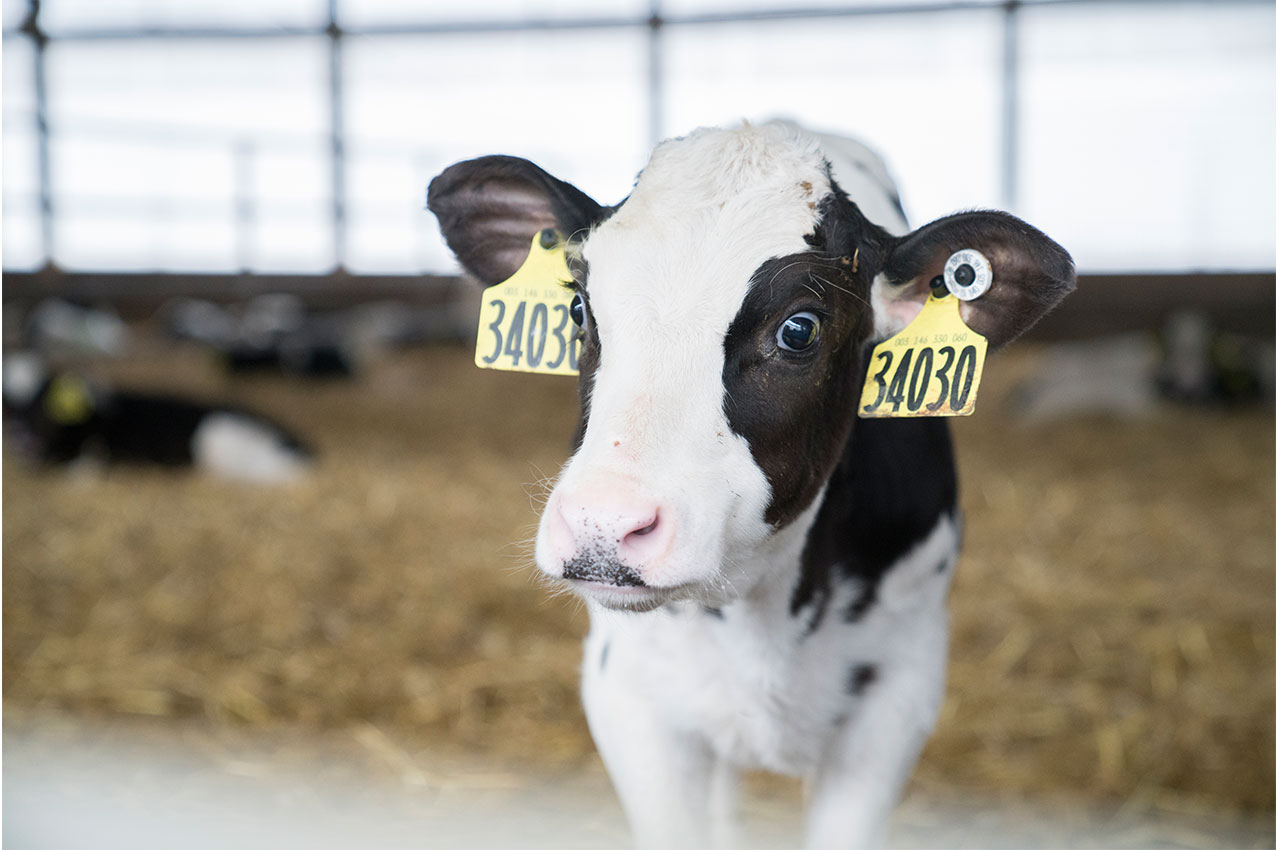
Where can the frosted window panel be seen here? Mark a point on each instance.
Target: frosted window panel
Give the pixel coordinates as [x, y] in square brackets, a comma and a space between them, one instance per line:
[291, 240]
[59, 15]
[21, 168]
[21, 211]
[19, 78]
[22, 246]
[87, 167]
[394, 232]
[289, 192]
[120, 205]
[21, 158]
[21, 233]
[922, 89]
[191, 92]
[571, 102]
[1149, 134]
[301, 177]
[289, 195]
[12, 14]
[157, 131]
[387, 244]
[386, 205]
[354, 13]
[88, 239]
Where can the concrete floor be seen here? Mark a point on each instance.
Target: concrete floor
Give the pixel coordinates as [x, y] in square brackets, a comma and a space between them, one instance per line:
[67, 786]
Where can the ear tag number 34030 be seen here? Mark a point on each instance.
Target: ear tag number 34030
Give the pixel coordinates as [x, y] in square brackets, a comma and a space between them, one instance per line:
[933, 366]
[525, 325]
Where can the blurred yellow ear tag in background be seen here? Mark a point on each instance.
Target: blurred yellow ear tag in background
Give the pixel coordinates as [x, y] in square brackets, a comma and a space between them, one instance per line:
[68, 400]
[932, 367]
[525, 324]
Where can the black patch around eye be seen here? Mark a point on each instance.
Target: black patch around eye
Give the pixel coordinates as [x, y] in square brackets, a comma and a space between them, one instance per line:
[792, 358]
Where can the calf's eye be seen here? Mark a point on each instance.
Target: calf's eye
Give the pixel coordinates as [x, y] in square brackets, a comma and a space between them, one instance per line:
[578, 310]
[799, 332]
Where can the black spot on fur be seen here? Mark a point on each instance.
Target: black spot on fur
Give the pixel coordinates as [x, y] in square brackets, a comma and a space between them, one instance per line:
[861, 677]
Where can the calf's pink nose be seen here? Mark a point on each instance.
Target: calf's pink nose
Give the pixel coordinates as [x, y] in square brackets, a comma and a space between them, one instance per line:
[602, 522]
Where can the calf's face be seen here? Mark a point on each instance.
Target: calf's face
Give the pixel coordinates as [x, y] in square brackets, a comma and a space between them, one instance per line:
[725, 309]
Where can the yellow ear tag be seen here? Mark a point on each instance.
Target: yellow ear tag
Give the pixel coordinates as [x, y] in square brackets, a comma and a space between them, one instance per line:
[932, 367]
[68, 401]
[525, 324]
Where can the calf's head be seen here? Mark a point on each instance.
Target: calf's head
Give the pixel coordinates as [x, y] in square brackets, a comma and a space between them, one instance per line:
[725, 309]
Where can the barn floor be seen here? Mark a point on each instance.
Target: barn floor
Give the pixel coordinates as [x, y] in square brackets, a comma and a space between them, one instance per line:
[1114, 611]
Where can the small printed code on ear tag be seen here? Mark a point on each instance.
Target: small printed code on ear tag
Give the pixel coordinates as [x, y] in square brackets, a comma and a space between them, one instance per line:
[525, 324]
[932, 367]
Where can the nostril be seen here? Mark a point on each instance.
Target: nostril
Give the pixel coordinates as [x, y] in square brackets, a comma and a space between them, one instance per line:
[642, 538]
[641, 532]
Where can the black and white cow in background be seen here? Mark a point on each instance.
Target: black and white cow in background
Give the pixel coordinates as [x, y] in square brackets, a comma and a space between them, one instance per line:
[766, 574]
[59, 417]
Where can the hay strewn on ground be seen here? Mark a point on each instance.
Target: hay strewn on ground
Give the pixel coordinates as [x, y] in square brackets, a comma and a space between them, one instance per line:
[1114, 612]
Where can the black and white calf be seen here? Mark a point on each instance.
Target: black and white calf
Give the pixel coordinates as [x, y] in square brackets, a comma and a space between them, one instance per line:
[59, 417]
[766, 574]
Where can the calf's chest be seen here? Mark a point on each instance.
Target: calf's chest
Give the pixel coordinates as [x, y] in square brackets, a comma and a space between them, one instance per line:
[761, 686]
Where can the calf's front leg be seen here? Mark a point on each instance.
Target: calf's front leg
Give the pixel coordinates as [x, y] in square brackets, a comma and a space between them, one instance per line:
[672, 789]
[860, 779]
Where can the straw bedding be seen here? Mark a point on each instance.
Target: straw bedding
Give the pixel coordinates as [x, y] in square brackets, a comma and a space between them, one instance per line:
[1114, 611]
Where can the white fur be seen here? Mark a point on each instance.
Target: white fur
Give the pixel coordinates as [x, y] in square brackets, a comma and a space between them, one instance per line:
[864, 176]
[235, 446]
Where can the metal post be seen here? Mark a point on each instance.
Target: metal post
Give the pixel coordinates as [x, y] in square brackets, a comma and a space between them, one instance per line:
[1009, 108]
[656, 128]
[31, 27]
[337, 150]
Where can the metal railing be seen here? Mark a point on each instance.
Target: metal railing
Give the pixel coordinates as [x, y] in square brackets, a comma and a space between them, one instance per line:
[654, 22]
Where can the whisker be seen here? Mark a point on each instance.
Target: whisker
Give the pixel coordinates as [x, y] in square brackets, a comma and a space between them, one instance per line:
[812, 271]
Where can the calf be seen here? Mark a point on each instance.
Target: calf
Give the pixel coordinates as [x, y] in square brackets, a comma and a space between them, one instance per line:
[766, 574]
[61, 418]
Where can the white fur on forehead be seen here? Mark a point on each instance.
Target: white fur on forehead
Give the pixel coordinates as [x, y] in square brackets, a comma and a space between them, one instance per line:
[707, 210]
[714, 166]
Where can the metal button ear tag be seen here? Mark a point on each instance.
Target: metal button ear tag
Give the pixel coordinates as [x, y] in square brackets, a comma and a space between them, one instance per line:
[967, 274]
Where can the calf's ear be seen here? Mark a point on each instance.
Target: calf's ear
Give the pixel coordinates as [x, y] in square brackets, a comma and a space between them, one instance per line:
[490, 208]
[1030, 274]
